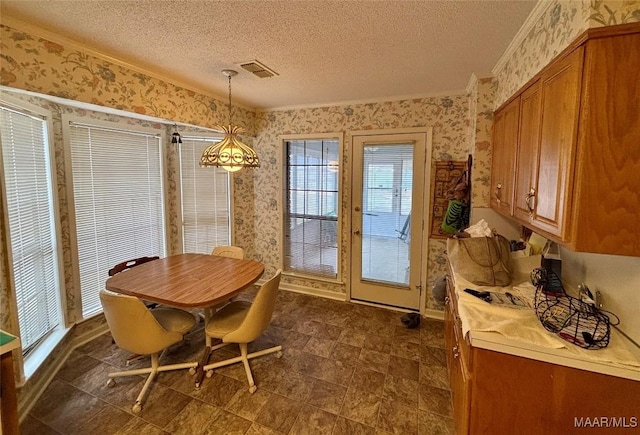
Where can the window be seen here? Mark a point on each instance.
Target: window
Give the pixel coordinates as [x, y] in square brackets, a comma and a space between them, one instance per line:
[311, 207]
[27, 173]
[205, 199]
[118, 199]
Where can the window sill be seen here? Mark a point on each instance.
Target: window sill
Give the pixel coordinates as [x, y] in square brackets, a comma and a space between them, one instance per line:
[39, 355]
[310, 277]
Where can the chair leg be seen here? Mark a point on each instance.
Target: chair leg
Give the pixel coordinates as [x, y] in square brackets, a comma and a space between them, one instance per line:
[152, 371]
[244, 357]
[247, 368]
[155, 362]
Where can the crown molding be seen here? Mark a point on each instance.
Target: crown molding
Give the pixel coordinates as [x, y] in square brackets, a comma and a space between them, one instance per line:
[473, 81]
[454, 93]
[539, 9]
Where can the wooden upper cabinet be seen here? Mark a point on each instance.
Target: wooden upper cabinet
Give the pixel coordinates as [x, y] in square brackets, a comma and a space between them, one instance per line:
[560, 99]
[577, 146]
[505, 141]
[607, 186]
[527, 153]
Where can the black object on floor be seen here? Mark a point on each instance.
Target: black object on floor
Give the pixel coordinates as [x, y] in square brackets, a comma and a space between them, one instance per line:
[410, 320]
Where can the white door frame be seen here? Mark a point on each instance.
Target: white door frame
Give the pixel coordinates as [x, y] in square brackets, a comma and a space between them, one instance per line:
[426, 200]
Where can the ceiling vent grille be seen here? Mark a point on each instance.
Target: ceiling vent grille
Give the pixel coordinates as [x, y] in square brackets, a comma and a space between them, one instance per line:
[258, 69]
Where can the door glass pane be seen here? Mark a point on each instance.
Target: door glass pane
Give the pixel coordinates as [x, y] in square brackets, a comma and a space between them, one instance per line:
[386, 211]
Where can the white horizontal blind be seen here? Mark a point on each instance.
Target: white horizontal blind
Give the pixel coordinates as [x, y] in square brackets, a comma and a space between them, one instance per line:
[118, 197]
[311, 207]
[27, 176]
[205, 200]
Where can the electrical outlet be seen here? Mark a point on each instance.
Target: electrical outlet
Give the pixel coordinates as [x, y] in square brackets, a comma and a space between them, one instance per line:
[599, 299]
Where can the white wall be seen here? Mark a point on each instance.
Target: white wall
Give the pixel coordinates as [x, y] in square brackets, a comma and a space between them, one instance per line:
[616, 277]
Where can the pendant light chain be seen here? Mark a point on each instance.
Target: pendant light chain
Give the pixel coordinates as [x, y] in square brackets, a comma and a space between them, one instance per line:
[229, 100]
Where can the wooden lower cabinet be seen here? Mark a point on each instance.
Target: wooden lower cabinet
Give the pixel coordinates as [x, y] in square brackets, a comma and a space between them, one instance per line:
[498, 393]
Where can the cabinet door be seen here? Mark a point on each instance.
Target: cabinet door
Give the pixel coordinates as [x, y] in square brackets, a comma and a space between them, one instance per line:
[560, 96]
[460, 391]
[527, 154]
[505, 142]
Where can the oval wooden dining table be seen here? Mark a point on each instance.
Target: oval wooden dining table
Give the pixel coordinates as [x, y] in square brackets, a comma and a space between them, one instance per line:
[188, 281]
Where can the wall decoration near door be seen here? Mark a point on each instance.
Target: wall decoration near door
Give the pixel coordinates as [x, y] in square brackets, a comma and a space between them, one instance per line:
[451, 181]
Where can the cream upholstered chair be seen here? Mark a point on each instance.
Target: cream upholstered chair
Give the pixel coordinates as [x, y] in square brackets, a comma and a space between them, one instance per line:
[229, 251]
[223, 251]
[243, 322]
[141, 331]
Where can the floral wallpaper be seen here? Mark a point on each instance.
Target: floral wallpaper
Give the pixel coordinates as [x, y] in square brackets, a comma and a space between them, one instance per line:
[447, 116]
[481, 96]
[39, 65]
[560, 24]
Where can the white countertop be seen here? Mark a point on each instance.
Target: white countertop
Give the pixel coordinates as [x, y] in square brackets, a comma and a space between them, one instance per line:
[519, 332]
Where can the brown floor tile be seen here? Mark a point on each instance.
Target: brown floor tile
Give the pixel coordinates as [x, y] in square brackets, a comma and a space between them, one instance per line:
[349, 427]
[292, 385]
[279, 413]
[401, 390]
[247, 405]
[65, 408]
[319, 346]
[436, 376]
[218, 390]
[378, 343]
[227, 423]
[433, 356]
[373, 360]
[336, 372]
[433, 424]
[435, 400]
[108, 421]
[361, 406]
[346, 353]
[404, 368]
[352, 337]
[138, 426]
[32, 426]
[405, 349]
[258, 429]
[404, 334]
[312, 421]
[77, 365]
[327, 396]
[345, 369]
[162, 404]
[193, 419]
[368, 380]
[398, 418]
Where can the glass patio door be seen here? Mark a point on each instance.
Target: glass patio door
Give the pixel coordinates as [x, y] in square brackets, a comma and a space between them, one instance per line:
[386, 217]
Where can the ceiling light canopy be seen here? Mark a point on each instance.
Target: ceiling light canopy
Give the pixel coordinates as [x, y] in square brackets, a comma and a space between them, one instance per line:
[230, 153]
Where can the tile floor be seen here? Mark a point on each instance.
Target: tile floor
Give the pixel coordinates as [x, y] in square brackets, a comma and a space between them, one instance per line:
[346, 369]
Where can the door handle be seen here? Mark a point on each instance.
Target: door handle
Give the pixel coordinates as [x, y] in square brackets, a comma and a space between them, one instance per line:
[497, 193]
[528, 198]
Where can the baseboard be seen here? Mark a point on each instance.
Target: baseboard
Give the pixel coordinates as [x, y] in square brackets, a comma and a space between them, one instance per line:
[52, 368]
[313, 291]
[433, 314]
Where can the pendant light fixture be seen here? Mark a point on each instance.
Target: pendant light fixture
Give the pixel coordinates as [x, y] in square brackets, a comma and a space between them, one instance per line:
[230, 153]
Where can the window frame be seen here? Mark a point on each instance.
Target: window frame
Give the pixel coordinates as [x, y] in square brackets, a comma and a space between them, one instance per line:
[205, 136]
[339, 137]
[67, 119]
[28, 364]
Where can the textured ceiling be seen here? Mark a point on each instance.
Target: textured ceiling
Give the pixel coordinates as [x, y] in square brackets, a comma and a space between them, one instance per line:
[324, 51]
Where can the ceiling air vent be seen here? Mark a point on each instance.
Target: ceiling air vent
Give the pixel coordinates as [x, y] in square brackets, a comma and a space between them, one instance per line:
[255, 67]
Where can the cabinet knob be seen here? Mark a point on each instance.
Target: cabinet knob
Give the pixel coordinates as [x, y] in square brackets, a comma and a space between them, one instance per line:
[528, 197]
